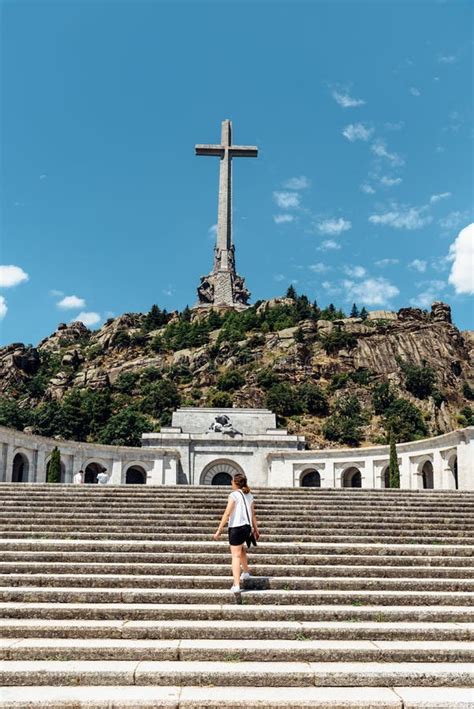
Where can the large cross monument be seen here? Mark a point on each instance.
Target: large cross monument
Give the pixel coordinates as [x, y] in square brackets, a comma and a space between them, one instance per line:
[223, 287]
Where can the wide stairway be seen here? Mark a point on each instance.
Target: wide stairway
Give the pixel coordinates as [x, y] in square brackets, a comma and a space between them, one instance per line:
[119, 597]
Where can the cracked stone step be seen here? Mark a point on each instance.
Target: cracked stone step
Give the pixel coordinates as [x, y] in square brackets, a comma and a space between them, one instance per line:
[229, 611]
[200, 596]
[286, 583]
[263, 674]
[235, 629]
[212, 650]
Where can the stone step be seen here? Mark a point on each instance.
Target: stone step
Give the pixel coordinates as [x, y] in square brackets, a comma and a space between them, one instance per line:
[263, 674]
[212, 650]
[227, 610]
[107, 547]
[236, 629]
[192, 697]
[273, 570]
[133, 581]
[201, 596]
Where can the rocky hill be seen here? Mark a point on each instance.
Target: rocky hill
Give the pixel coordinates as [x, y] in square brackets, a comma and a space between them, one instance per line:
[337, 380]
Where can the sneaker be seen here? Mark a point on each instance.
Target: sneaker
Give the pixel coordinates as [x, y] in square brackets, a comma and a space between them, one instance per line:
[244, 575]
[235, 589]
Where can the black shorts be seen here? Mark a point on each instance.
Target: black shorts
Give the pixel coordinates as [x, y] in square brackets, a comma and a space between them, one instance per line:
[239, 535]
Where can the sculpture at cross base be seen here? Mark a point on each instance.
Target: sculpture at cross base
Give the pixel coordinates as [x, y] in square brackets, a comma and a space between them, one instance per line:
[224, 287]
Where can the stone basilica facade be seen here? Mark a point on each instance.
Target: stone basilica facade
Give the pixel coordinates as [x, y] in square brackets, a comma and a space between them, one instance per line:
[206, 446]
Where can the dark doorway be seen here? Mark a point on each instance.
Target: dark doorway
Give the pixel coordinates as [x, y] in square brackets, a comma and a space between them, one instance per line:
[91, 472]
[221, 479]
[311, 478]
[427, 473]
[20, 469]
[386, 477]
[454, 468]
[352, 478]
[135, 476]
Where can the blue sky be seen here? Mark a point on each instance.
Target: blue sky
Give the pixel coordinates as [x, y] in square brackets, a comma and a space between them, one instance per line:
[362, 112]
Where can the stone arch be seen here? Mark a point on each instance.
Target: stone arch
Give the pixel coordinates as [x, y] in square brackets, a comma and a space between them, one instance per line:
[453, 467]
[20, 468]
[219, 468]
[91, 471]
[135, 475]
[427, 475]
[351, 477]
[310, 478]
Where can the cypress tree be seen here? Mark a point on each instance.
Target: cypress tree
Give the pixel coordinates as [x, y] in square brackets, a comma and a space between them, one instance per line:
[363, 313]
[54, 467]
[393, 469]
[354, 311]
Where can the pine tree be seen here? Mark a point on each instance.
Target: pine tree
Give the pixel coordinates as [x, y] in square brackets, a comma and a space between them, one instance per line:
[291, 292]
[354, 312]
[393, 469]
[54, 467]
[364, 314]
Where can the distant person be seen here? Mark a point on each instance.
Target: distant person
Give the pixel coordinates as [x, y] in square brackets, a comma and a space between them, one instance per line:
[103, 477]
[242, 528]
[79, 478]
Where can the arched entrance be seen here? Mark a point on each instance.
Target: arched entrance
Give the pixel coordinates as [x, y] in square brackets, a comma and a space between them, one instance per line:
[91, 472]
[427, 475]
[221, 479]
[352, 477]
[310, 478]
[20, 468]
[386, 477]
[220, 473]
[135, 475]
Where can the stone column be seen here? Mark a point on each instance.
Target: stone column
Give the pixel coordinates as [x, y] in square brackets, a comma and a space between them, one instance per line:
[439, 478]
[329, 479]
[155, 477]
[39, 465]
[3, 461]
[170, 472]
[407, 477]
[9, 464]
[466, 465]
[116, 472]
[368, 473]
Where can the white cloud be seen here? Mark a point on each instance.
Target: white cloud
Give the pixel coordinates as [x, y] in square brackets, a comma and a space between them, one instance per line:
[437, 197]
[287, 200]
[357, 131]
[418, 265]
[382, 263]
[453, 220]
[319, 267]
[390, 181]
[346, 101]
[427, 297]
[70, 302]
[403, 217]
[379, 148]
[447, 58]
[297, 183]
[279, 277]
[371, 291]
[3, 307]
[56, 293]
[333, 226]
[88, 318]
[168, 291]
[367, 189]
[329, 245]
[355, 271]
[12, 276]
[461, 252]
[414, 91]
[43, 176]
[283, 218]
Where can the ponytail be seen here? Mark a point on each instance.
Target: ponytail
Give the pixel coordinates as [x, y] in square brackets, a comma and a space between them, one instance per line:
[241, 481]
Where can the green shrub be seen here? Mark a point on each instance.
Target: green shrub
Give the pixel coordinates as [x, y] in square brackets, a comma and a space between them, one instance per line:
[125, 428]
[313, 399]
[230, 380]
[54, 467]
[404, 420]
[12, 415]
[160, 397]
[266, 378]
[419, 379]
[338, 340]
[466, 416]
[345, 425]
[468, 392]
[283, 400]
[121, 340]
[382, 397]
[219, 399]
[155, 319]
[126, 381]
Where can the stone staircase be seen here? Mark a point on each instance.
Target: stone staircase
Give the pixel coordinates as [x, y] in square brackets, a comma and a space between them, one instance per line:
[118, 597]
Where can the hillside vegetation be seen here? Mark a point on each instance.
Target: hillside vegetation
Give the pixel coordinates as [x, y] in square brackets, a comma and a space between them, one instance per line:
[338, 380]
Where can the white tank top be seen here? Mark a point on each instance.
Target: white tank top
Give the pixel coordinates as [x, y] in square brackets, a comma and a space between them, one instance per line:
[238, 515]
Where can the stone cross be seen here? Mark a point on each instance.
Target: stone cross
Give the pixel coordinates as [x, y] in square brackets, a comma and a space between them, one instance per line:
[226, 151]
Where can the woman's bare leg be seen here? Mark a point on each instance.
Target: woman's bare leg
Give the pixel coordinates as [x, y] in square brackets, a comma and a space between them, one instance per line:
[243, 558]
[236, 556]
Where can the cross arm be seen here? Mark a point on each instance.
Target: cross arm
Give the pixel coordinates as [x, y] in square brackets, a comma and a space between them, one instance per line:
[209, 150]
[243, 151]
